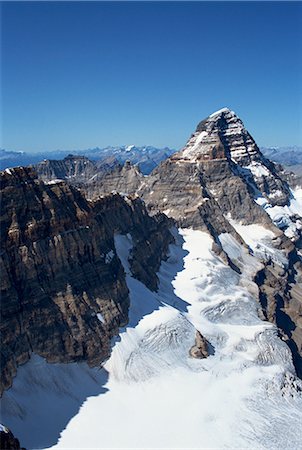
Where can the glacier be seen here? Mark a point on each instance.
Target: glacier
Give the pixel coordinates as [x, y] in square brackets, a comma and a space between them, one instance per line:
[151, 394]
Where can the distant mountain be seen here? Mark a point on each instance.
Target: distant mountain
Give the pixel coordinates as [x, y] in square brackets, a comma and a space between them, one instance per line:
[147, 157]
[73, 168]
[288, 156]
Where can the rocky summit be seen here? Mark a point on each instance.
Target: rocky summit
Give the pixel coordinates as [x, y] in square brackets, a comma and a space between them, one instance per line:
[181, 290]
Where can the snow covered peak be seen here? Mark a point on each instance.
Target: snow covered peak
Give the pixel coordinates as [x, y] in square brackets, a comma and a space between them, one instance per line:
[221, 111]
[129, 147]
[223, 140]
[221, 135]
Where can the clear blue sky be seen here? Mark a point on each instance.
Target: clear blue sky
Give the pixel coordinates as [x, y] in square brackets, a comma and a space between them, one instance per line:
[78, 75]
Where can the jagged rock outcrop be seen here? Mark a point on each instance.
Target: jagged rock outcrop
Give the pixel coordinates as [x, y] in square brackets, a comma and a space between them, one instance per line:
[63, 289]
[95, 179]
[200, 348]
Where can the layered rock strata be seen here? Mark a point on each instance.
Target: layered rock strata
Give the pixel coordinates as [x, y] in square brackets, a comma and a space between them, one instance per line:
[63, 289]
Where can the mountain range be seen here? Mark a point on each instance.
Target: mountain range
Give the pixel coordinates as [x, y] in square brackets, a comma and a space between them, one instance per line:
[147, 157]
[165, 304]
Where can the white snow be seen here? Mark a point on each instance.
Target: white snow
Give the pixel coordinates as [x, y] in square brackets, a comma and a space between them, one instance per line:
[100, 317]
[258, 170]
[219, 112]
[45, 396]
[260, 241]
[57, 180]
[151, 393]
[194, 144]
[158, 397]
[8, 171]
[287, 217]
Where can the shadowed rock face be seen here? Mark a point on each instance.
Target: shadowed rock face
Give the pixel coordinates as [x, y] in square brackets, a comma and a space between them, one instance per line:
[63, 289]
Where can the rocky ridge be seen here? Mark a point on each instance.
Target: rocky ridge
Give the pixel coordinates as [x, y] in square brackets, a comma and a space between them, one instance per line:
[63, 290]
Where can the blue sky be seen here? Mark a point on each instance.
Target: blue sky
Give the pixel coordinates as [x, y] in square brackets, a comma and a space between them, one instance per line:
[78, 75]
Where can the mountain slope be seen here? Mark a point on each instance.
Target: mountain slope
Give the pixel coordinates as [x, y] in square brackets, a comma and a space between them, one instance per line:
[159, 396]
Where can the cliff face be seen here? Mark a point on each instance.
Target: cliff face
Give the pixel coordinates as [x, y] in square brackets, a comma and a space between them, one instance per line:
[73, 168]
[63, 290]
[221, 169]
[124, 178]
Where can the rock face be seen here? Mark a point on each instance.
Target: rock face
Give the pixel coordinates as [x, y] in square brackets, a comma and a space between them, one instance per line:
[118, 178]
[220, 169]
[75, 169]
[63, 290]
[200, 349]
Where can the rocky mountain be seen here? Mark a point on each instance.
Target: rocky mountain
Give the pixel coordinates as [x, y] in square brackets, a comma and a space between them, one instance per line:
[219, 182]
[75, 169]
[63, 289]
[146, 157]
[50, 163]
[196, 266]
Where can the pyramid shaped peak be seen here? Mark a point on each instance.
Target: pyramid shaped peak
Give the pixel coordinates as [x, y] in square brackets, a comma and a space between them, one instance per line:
[221, 136]
[222, 118]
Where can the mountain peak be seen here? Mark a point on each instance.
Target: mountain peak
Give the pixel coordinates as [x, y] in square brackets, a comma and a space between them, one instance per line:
[221, 111]
[222, 135]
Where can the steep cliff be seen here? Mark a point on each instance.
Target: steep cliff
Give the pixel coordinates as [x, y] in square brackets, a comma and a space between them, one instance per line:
[63, 290]
[74, 168]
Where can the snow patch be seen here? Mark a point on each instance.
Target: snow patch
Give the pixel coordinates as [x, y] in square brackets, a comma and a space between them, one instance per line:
[222, 110]
[257, 169]
[259, 239]
[288, 217]
[100, 317]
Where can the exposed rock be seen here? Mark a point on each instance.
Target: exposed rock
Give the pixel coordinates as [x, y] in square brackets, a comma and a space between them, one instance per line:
[75, 169]
[60, 269]
[200, 349]
[118, 178]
